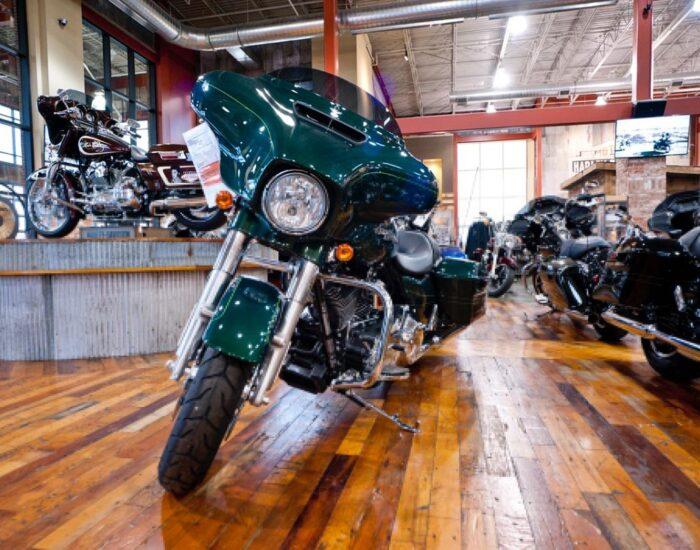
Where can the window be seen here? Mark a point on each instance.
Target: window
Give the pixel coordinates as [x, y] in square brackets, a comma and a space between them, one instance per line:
[491, 178]
[121, 81]
[15, 104]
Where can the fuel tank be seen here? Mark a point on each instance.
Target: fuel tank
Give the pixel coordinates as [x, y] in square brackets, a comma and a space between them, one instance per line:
[267, 122]
[102, 145]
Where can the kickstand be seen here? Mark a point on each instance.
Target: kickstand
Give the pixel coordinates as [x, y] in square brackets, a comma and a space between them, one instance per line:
[362, 402]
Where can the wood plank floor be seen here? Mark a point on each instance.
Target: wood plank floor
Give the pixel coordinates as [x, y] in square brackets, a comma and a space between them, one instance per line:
[533, 434]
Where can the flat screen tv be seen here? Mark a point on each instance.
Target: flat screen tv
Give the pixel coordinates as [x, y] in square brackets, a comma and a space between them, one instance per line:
[652, 137]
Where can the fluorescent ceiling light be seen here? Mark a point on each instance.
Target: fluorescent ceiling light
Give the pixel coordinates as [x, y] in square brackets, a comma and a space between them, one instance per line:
[518, 24]
[600, 101]
[501, 79]
[696, 5]
[490, 108]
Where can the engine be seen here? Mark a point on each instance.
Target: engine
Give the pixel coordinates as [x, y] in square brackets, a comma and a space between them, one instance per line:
[113, 189]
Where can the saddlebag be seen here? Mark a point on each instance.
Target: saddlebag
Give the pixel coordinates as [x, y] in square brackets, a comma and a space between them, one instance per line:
[243, 323]
[461, 290]
[563, 283]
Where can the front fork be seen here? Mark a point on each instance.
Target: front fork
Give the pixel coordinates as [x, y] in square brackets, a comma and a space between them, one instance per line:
[304, 276]
[224, 269]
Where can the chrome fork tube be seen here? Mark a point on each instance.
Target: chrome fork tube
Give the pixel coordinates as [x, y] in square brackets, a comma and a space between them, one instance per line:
[224, 268]
[296, 299]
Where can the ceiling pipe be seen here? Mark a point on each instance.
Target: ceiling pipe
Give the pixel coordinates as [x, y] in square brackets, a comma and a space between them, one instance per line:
[562, 90]
[357, 19]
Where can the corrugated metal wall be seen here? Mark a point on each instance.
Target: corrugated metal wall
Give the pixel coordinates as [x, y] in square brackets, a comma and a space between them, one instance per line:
[74, 316]
[69, 316]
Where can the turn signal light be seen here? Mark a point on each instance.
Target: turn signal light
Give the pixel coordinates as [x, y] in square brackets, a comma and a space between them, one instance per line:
[224, 200]
[344, 252]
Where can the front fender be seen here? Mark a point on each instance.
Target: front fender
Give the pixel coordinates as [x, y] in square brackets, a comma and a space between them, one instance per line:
[243, 324]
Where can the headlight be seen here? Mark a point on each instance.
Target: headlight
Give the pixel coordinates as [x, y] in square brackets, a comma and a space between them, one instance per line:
[295, 203]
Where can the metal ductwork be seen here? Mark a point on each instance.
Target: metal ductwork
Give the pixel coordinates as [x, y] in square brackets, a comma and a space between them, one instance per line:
[563, 90]
[155, 18]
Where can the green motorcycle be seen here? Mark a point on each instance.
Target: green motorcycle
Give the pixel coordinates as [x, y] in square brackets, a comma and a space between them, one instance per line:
[318, 171]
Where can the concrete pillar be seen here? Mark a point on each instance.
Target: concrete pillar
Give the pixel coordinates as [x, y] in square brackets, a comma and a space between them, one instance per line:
[55, 54]
[643, 182]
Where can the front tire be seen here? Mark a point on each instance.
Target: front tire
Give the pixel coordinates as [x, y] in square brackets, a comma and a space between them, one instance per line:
[670, 364]
[208, 407]
[501, 284]
[47, 217]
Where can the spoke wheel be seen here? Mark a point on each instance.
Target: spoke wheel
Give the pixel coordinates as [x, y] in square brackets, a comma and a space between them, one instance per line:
[47, 215]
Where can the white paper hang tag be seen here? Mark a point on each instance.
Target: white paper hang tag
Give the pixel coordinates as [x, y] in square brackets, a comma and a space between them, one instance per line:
[206, 157]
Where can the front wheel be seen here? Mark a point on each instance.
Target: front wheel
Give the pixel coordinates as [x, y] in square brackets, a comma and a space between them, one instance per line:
[47, 207]
[501, 282]
[208, 408]
[670, 364]
[201, 219]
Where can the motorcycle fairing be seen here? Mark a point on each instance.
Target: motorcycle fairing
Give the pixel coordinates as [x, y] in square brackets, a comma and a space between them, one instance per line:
[243, 323]
[259, 127]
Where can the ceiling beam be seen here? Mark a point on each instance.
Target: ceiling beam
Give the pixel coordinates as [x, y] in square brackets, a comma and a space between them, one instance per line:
[414, 70]
[543, 34]
[572, 46]
[549, 116]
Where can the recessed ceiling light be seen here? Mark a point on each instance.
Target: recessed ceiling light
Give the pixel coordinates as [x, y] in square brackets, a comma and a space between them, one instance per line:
[501, 79]
[517, 24]
[600, 101]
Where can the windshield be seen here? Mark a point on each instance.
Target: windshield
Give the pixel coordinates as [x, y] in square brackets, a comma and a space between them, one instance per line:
[340, 91]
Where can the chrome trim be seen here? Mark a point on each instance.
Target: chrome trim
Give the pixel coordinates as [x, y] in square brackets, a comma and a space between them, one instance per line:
[296, 233]
[166, 205]
[267, 263]
[296, 299]
[377, 357]
[686, 348]
[224, 268]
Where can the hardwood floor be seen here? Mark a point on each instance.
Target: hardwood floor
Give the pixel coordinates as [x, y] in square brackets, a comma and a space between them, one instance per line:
[533, 434]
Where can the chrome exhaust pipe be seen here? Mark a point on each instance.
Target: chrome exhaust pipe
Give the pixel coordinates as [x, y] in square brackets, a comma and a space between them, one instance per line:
[168, 205]
[650, 332]
[224, 269]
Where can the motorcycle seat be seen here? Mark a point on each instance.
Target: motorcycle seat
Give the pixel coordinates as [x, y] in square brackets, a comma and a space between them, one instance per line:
[416, 253]
[138, 155]
[577, 248]
[691, 241]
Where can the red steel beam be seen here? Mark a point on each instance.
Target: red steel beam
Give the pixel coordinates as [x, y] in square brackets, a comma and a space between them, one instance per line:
[695, 141]
[550, 116]
[642, 53]
[494, 137]
[330, 36]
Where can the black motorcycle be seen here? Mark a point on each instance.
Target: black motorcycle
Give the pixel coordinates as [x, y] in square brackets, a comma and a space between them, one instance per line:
[565, 276]
[653, 286]
[93, 169]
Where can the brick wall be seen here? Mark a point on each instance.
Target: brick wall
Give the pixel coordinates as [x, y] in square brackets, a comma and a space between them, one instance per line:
[643, 181]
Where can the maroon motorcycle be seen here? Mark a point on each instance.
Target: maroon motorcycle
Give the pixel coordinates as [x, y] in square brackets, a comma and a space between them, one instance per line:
[93, 169]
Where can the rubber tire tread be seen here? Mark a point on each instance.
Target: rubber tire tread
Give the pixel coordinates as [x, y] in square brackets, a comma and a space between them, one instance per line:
[207, 408]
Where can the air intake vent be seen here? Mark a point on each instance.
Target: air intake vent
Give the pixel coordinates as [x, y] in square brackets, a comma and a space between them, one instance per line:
[321, 119]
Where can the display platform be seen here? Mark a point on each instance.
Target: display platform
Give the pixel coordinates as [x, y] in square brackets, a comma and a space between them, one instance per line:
[72, 299]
